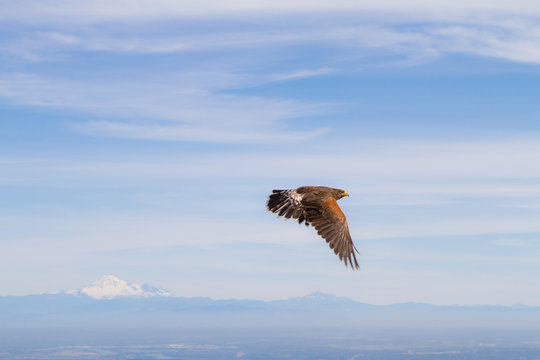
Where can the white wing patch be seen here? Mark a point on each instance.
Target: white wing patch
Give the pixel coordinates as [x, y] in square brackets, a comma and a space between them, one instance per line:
[287, 203]
[297, 198]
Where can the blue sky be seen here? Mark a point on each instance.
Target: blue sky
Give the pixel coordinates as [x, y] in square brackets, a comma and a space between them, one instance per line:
[142, 140]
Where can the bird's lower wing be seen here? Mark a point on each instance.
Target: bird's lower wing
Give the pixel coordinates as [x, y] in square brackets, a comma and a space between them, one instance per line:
[331, 224]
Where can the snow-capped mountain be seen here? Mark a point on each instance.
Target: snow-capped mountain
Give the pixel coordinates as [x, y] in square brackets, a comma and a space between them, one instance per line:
[322, 297]
[109, 287]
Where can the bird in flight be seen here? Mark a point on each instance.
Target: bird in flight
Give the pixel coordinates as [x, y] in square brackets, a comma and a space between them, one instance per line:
[317, 206]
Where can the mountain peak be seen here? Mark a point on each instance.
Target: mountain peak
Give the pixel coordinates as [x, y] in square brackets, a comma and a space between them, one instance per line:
[318, 296]
[109, 287]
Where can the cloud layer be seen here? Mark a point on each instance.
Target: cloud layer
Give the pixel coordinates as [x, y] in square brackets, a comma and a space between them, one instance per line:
[189, 98]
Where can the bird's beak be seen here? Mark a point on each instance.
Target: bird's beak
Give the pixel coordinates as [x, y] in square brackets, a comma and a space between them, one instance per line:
[345, 193]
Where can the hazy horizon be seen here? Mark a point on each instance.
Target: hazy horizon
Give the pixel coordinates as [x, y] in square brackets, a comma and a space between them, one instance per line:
[100, 290]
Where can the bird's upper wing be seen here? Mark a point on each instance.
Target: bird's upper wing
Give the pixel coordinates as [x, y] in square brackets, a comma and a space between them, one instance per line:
[331, 224]
[287, 203]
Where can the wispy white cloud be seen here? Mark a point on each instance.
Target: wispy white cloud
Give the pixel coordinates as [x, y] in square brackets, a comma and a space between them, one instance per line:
[218, 134]
[192, 104]
[303, 74]
[165, 110]
[453, 178]
[460, 175]
[441, 192]
[118, 10]
[502, 30]
[271, 36]
[474, 168]
[448, 225]
[510, 39]
[454, 258]
[514, 242]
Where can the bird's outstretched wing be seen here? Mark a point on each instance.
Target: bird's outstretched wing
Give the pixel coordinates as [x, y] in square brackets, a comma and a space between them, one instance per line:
[287, 203]
[331, 224]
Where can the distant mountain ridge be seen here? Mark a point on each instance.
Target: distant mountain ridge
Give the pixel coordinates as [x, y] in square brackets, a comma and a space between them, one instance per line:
[113, 302]
[110, 287]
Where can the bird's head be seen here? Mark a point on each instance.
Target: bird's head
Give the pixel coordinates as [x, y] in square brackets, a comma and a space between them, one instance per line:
[338, 193]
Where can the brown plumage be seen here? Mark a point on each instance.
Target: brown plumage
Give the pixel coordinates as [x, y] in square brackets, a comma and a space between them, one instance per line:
[317, 206]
